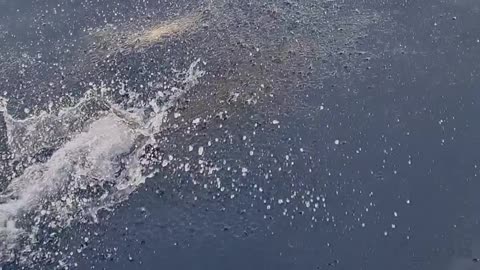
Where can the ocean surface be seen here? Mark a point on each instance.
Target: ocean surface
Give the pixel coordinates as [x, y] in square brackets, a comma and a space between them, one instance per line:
[222, 134]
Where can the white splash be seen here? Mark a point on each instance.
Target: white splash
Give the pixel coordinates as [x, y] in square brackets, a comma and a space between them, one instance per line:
[95, 162]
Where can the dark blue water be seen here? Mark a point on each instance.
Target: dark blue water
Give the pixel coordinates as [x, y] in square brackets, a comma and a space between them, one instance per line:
[387, 137]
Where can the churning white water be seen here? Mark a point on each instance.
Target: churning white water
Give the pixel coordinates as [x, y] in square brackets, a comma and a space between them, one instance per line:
[69, 164]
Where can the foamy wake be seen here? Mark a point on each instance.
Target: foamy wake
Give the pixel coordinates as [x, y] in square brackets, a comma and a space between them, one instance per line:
[72, 163]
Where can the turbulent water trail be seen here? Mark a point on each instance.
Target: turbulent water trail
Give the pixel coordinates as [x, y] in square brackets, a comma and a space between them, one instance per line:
[61, 166]
[69, 164]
